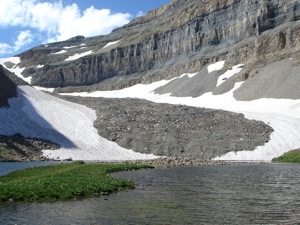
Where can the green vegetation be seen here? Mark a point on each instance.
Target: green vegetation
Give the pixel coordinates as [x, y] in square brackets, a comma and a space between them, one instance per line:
[289, 157]
[64, 181]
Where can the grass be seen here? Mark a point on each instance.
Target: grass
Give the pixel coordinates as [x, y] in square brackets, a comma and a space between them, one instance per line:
[289, 157]
[64, 181]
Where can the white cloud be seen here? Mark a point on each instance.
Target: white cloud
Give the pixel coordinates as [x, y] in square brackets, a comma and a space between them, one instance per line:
[5, 48]
[45, 16]
[24, 38]
[90, 23]
[140, 13]
[13, 12]
[59, 22]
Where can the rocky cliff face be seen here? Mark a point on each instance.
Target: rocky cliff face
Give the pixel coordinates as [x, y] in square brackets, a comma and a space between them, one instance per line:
[182, 36]
[8, 86]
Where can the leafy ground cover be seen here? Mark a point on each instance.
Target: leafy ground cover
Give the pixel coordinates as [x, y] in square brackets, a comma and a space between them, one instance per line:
[289, 157]
[64, 181]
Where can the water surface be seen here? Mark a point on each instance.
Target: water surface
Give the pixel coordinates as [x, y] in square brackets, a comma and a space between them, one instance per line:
[8, 167]
[241, 194]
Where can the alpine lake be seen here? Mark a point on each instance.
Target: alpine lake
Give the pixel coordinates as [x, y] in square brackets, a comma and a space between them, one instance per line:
[234, 194]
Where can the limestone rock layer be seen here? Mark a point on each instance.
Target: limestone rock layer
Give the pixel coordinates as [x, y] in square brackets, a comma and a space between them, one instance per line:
[182, 36]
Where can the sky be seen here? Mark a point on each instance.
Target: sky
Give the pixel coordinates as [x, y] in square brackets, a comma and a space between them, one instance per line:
[28, 23]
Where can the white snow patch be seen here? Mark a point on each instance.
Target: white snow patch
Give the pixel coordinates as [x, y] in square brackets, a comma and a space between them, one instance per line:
[37, 114]
[39, 66]
[14, 60]
[189, 75]
[15, 69]
[215, 66]
[132, 92]
[229, 73]
[283, 115]
[60, 52]
[111, 43]
[68, 47]
[78, 55]
[44, 89]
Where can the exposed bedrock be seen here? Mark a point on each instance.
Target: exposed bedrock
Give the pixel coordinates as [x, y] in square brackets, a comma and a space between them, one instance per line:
[19, 148]
[182, 36]
[8, 86]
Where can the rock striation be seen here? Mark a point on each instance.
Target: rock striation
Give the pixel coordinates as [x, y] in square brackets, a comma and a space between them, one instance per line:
[182, 36]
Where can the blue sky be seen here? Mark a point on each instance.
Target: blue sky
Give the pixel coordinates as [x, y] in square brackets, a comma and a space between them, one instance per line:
[28, 23]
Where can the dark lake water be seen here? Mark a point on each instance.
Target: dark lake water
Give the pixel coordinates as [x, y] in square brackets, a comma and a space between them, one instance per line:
[6, 168]
[240, 194]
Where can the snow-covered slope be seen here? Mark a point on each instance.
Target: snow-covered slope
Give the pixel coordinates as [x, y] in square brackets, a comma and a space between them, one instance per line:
[37, 114]
[283, 115]
[71, 125]
[14, 61]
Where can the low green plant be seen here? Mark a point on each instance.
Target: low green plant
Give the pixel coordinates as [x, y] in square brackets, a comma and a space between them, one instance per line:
[64, 181]
[289, 157]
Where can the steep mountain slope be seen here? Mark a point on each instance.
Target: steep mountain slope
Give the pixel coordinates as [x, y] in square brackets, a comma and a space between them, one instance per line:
[145, 127]
[17, 147]
[31, 120]
[8, 86]
[182, 36]
[283, 115]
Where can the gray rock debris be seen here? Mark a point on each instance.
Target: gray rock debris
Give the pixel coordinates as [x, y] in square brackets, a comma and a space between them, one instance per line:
[174, 130]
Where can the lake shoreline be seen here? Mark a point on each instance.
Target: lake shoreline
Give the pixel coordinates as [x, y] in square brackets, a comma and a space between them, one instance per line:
[169, 162]
[157, 162]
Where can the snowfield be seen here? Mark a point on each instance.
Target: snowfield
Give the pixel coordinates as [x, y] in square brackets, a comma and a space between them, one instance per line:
[229, 73]
[111, 43]
[15, 69]
[60, 52]
[283, 115]
[37, 114]
[215, 66]
[78, 55]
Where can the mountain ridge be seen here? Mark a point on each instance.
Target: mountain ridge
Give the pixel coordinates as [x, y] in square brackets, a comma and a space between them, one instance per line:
[182, 36]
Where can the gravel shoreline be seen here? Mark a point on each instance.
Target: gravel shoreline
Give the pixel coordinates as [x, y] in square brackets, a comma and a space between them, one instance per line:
[169, 162]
